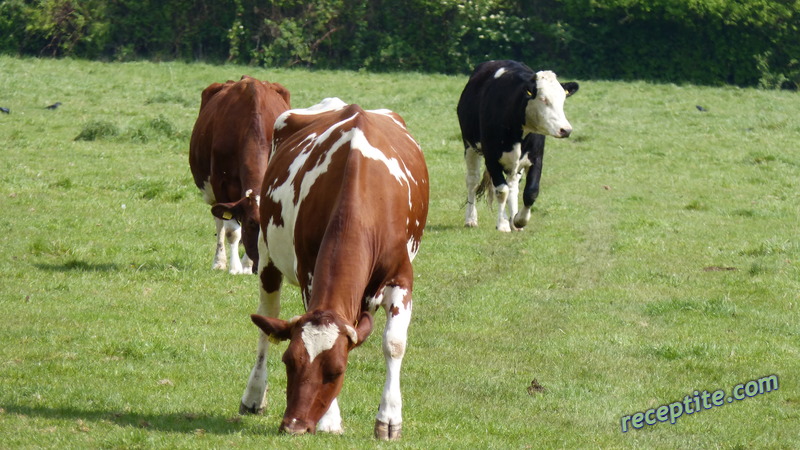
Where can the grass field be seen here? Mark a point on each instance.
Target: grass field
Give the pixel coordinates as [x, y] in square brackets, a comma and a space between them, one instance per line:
[663, 258]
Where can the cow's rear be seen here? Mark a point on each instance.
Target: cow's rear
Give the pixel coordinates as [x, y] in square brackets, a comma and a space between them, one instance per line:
[342, 215]
[228, 156]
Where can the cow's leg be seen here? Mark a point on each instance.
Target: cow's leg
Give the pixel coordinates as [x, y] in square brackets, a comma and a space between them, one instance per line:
[513, 195]
[233, 234]
[531, 191]
[474, 162]
[507, 164]
[331, 422]
[397, 303]
[247, 264]
[254, 399]
[501, 192]
[220, 257]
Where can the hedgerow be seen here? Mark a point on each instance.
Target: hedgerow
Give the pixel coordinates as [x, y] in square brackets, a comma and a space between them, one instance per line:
[743, 42]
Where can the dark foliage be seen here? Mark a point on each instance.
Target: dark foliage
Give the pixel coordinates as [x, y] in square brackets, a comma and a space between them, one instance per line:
[746, 42]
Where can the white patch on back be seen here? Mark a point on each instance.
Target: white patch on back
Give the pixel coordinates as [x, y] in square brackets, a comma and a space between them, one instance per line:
[500, 72]
[318, 338]
[360, 143]
[328, 104]
[281, 239]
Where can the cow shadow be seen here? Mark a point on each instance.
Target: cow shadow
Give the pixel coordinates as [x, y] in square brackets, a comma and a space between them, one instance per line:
[439, 227]
[178, 422]
[77, 265]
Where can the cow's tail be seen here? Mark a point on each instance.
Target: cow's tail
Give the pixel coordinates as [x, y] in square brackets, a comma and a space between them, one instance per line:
[485, 186]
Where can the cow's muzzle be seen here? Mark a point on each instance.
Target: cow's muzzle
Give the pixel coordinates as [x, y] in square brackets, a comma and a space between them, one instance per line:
[297, 427]
[564, 132]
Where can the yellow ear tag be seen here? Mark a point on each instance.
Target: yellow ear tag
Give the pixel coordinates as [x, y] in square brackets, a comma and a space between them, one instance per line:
[274, 340]
[530, 94]
[227, 215]
[566, 92]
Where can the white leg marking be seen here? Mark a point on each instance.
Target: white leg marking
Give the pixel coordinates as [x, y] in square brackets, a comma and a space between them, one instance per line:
[331, 422]
[220, 257]
[522, 218]
[501, 195]
[513, 193]
[247, 264]
[233, 234]
[398, 317]
[255, 394]
[474, 165]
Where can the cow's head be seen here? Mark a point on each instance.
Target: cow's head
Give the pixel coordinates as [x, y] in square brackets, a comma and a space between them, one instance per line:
[316, 359]
[544, 112]
[245, 211]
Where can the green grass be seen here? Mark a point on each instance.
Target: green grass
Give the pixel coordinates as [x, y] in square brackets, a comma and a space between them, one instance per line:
[663, 257]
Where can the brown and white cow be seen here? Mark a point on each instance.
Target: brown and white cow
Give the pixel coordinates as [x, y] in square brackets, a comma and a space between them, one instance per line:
[343, 206]
[228, 156]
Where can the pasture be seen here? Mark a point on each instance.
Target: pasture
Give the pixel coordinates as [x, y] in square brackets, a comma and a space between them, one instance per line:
[662, 258]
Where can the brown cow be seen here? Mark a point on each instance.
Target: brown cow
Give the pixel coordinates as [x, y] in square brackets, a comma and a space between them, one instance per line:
[228, 157]
[343, 208]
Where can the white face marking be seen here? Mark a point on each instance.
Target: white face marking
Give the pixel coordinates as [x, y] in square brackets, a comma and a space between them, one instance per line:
[545, 113]
[318, 338]
[500, 72]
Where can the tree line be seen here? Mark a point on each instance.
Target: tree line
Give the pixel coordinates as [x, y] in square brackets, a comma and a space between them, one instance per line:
[740, 42]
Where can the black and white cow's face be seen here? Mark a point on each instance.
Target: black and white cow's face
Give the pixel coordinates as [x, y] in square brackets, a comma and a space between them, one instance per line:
[544, 113]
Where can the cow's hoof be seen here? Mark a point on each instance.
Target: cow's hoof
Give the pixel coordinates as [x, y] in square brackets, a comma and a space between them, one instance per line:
[504, 226]
[471, 224]
[386, 432]
[245, 410]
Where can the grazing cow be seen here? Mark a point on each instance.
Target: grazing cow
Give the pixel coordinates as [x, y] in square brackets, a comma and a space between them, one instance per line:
[343, 206]
[228, 156]
[504, 112]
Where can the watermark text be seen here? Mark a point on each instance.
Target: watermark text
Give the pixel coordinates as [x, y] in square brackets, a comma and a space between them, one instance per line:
[698, 402]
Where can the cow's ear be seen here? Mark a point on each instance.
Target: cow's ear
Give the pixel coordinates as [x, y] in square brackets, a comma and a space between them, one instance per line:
[362, 330]
[530, 88]
[209, 92]
[570, 88]
[273, 327]
[283, 92]
[228, 211]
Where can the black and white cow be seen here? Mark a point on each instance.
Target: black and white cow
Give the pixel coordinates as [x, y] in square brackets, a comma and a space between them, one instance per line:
[504, 112]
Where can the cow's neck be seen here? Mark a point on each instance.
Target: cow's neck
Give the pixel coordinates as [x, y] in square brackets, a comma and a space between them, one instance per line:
[340, 294]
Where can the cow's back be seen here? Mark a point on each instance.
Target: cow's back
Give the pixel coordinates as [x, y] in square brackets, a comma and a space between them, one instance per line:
[344, 185]
[231, 137]
[490, 101]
